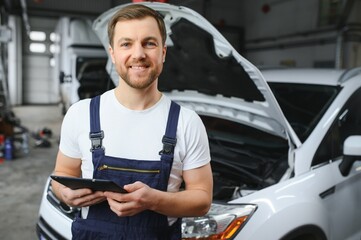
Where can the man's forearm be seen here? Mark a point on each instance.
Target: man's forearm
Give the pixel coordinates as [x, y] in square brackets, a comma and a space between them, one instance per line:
[182, 204]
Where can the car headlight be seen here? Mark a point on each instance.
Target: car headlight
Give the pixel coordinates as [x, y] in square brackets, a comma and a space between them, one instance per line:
[221, 222]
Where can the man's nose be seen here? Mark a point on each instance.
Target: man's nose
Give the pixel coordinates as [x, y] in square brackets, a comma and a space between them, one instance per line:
[138, 51]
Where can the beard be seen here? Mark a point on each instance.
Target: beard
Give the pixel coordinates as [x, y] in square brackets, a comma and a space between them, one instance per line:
[140, 82]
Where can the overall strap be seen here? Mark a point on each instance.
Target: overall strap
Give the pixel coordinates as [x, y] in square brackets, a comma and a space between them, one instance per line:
[169, 141]
[96, 135]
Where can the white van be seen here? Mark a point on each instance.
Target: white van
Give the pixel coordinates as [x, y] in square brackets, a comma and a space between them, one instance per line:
[80, 61]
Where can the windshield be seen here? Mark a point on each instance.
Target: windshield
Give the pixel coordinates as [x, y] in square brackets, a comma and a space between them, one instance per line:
[303, 104]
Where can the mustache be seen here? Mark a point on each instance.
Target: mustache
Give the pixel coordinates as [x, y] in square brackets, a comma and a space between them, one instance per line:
[139, 63]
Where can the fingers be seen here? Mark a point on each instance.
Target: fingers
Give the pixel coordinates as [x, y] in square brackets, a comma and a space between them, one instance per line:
[128, 204]
[82, 197]
[134, 186]
[119, 197]
[89, 200]
[123, 208]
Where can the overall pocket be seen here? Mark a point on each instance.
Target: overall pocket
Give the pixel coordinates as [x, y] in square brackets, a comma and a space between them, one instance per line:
[126, 171]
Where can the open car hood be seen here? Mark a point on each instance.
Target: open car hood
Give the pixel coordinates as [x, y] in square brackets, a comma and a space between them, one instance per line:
[204, 72]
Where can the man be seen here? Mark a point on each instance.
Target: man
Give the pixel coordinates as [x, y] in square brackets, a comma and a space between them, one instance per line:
[138, 138]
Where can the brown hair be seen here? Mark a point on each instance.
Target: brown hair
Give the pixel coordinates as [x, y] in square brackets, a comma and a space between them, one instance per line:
[136, 11]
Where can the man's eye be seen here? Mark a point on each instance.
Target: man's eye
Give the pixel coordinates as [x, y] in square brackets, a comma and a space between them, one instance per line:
[150, 44]
[124, 44]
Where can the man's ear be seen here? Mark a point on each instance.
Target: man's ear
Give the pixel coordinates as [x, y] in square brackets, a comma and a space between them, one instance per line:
[164, 52]
[111, 53]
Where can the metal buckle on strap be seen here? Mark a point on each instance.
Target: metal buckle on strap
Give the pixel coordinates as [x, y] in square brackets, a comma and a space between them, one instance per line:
[96, 140]
[168, 145]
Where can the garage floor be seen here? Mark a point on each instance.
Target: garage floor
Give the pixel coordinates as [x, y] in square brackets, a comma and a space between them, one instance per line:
[22, 179]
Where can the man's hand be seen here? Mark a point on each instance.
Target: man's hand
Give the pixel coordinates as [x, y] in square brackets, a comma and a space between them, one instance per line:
[195, 200]
[139, 198]
[81, 197]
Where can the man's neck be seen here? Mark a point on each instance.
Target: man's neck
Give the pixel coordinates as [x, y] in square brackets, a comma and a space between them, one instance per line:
[137, 99]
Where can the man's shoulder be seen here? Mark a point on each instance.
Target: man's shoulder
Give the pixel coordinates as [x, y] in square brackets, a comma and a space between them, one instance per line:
[81, 104]
[188, 113]
[84, 104]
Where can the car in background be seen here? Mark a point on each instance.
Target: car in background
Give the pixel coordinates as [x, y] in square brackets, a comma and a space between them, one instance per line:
[79, 61]
[285, 143]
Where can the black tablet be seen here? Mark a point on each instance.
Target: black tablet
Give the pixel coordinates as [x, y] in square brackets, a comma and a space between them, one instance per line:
[94, 184]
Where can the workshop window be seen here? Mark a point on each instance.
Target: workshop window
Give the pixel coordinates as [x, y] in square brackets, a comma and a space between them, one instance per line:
[39, 42]
[37, 36]
[37, 47]
[53, 37]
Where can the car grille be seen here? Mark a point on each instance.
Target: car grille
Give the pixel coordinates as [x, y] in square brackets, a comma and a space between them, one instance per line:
[43, 230]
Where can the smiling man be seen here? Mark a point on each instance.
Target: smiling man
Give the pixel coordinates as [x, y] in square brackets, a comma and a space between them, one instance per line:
[139, 139]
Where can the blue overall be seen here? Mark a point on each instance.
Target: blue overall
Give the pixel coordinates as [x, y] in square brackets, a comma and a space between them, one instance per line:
[101, 222]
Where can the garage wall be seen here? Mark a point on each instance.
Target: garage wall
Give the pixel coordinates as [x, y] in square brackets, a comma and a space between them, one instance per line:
[355, 15]
[265, 19]
[302, 33]
[38, 85]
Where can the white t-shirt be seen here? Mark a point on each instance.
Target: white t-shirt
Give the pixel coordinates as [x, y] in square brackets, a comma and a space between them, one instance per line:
[135, 135]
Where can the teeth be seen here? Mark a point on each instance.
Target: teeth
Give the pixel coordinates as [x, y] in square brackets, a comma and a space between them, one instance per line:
[138, 67]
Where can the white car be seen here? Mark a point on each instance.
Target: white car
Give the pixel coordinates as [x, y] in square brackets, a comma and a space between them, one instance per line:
[284, 152]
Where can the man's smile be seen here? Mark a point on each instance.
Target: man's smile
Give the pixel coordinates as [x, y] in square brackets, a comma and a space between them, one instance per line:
[138, 67]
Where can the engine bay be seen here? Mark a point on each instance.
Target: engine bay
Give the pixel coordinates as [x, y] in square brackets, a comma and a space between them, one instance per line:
[243, 159]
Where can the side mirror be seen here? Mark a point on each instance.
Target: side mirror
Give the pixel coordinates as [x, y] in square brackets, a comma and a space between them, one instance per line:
[351, 153]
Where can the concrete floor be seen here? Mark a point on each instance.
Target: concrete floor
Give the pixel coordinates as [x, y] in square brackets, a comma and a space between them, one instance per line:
[22, 180]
